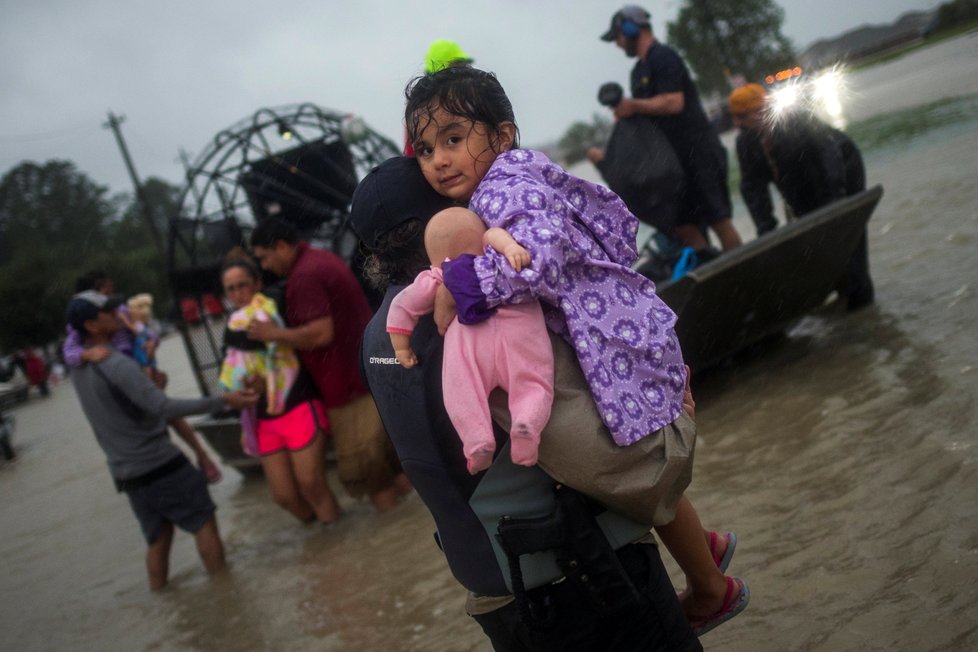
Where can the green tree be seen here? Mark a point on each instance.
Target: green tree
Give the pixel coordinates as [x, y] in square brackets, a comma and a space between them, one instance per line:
[573, 145]
[138, 265]
[720, 38]
[957, 12]
[56, 224]
[52, 226]
[44, 205]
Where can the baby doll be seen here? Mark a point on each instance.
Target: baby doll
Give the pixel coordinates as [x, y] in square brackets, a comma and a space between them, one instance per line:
[511, 350]
[145, 339]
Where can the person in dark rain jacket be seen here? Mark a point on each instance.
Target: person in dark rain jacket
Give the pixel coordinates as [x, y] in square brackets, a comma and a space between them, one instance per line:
[810, 163]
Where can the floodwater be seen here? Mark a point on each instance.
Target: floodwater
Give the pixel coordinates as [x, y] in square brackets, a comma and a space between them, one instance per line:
[845, 456]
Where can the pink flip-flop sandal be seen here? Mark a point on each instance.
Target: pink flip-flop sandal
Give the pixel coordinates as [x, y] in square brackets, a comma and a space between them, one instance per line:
[723, 561]
[735, 600]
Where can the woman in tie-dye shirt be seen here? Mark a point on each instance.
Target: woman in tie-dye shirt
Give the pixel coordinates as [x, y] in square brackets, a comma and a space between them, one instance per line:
[288, 430]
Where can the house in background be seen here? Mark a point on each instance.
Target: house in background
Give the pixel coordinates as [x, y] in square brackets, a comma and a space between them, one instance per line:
[869, 40]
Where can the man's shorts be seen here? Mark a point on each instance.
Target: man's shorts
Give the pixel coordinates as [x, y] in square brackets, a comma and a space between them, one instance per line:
[180, 498]
[705, 198]
[365, 458]
[294, 430]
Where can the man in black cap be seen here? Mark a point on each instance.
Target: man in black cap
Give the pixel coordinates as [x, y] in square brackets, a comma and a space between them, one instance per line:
[663, 90]
[128, 414]
[541, 571]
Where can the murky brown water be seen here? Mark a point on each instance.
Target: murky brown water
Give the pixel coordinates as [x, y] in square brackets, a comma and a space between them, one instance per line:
[845, 458]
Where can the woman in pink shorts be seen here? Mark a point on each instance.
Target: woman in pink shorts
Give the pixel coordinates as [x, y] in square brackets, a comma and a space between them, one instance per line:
[291, 428]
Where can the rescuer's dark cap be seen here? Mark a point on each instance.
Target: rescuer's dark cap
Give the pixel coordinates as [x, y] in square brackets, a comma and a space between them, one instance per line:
[393, 193]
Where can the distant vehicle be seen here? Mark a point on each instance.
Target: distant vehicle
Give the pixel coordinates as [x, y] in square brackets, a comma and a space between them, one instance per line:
[6, 435]
[14, 386]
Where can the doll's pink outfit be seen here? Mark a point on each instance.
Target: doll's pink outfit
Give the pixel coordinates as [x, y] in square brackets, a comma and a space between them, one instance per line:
[510, 350]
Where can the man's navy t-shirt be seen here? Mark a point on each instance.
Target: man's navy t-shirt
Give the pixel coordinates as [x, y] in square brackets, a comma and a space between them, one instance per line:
[662, 71]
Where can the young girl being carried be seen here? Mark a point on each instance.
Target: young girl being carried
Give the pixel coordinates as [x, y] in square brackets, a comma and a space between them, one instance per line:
[582, 241]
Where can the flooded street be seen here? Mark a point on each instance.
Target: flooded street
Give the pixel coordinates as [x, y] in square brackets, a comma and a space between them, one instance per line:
[845, 456]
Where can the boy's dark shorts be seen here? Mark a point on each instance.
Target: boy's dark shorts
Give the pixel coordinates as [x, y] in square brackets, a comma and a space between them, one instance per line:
[705, 198]
[180, 497]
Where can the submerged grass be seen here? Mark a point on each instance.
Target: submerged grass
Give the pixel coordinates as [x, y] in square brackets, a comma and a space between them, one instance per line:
[905, 124]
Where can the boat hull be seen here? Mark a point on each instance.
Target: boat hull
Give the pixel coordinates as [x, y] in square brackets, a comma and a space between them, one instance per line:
[768, 284]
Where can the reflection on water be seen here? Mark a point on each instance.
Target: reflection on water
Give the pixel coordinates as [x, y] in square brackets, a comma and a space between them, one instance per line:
[843, 454]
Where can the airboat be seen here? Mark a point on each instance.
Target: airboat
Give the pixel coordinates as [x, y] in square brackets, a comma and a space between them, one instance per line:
[767, 285]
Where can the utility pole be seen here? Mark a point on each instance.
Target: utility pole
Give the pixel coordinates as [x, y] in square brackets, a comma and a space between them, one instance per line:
[114, 123]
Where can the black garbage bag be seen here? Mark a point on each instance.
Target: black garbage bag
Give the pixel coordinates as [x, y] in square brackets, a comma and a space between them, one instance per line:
[640, 167]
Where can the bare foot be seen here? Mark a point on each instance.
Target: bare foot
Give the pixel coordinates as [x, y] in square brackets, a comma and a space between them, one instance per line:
[402, 485]
[385, 499]
[328, 511]
[210, 470]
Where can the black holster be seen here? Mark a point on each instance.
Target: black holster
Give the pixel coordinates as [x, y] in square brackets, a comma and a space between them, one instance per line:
[582, 552]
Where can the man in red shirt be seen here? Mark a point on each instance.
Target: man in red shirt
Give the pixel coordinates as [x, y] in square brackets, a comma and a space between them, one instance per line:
[326, 312]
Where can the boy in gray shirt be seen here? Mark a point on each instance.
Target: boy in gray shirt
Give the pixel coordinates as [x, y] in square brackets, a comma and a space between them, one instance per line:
[128, 414]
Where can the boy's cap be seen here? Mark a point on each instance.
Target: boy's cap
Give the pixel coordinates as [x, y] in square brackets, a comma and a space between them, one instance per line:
[85, 306]
[634, 13]
[392, 193]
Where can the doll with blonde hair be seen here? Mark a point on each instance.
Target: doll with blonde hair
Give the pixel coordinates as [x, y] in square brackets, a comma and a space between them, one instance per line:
[145, 338]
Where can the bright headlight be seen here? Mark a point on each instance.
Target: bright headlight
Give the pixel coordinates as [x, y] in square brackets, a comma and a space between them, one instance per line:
[829, 90]
[785, 97]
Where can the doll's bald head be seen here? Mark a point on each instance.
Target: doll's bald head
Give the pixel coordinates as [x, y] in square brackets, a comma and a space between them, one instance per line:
[452, 232]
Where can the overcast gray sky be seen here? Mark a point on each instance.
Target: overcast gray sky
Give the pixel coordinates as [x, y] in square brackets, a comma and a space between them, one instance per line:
[182, 70]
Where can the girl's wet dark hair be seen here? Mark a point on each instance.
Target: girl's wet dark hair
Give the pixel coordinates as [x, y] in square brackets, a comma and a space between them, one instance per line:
[91, 280]
[398, 257]
[464, 91]
[243, 263]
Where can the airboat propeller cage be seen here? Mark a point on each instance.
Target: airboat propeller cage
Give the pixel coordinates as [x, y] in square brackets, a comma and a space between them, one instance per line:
[300, 163]
[307, 186]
